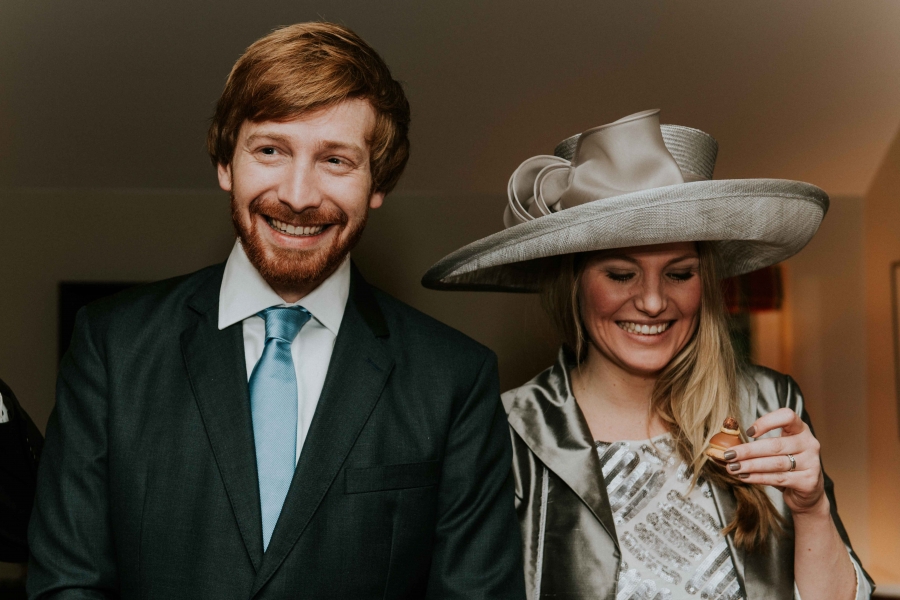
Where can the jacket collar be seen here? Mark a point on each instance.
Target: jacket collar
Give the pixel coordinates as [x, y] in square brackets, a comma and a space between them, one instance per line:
[544, 413]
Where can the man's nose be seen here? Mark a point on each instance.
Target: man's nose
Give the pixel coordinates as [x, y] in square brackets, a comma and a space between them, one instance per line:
[651, 298]
[300, 187]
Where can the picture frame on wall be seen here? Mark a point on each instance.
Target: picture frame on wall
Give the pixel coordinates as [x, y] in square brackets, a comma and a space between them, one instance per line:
[895, 327]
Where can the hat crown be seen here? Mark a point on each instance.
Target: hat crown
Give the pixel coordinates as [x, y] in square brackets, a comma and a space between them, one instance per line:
[632, 154]
[693, 150]
[628, 155]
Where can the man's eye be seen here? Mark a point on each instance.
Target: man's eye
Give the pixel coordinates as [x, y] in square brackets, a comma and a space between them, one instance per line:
[619, 276]
[334, 160]
[268, 151]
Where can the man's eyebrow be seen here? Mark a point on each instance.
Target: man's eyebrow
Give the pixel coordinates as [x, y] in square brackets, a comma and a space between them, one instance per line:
[336, 145]
[262, 135]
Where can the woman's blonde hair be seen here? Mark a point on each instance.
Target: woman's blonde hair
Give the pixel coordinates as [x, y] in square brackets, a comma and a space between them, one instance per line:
[693, 394]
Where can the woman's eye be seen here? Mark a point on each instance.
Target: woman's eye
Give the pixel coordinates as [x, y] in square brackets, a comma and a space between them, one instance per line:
[334, 160]
[621, 277]
[682, 276]
[268, 151]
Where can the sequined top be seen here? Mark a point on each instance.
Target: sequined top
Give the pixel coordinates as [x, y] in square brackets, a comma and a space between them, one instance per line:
[670, 533]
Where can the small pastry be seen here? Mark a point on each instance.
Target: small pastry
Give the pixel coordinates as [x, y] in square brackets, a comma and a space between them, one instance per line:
[728, 437]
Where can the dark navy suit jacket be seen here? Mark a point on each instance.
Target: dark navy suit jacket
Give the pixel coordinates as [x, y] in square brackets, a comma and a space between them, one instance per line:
[148, 485]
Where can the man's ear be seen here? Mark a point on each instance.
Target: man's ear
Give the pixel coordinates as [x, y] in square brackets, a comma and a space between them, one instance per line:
[224, 173]
[376, 199]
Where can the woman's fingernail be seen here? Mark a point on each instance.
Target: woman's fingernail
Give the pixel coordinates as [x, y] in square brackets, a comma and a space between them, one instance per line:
[730, 455]
[743, 475]
[734, 467]
[751, 432]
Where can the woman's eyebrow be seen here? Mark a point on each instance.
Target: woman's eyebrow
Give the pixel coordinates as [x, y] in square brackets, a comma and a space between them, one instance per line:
[634, 261]
[624, 257]
[685, 257]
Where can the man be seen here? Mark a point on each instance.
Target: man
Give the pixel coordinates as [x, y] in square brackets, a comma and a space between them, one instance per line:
[275, 427]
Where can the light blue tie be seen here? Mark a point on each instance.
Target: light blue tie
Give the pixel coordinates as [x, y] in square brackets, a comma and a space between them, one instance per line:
[273, 403]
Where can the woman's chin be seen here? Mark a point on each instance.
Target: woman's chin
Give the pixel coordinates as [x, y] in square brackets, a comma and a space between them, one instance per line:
[645, 366]
[635, 359]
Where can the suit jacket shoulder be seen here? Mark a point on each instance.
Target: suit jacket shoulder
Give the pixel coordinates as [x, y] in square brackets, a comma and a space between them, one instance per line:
[414, 338]
[408, 321]
[136, 321]
[144, 303]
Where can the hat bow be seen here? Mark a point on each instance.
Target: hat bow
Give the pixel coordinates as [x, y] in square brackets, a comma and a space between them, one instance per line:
[629, 155]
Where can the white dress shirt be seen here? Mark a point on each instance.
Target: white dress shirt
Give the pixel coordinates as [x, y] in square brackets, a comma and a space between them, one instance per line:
[244, 293]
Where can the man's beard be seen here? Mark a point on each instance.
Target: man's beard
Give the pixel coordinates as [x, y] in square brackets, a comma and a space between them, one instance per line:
[290, 268]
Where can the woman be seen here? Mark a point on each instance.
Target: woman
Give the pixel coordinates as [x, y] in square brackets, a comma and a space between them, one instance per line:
[627, 237]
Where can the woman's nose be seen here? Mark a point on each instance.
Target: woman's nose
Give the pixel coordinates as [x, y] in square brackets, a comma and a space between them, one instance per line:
[651, 299]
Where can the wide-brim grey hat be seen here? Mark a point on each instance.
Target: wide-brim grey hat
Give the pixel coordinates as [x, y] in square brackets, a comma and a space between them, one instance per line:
[633, 182]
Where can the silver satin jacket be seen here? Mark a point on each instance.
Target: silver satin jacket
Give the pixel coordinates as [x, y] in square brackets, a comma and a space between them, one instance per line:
[570, 542]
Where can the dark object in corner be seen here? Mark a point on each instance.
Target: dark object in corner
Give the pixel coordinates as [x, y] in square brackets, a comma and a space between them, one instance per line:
[20, 450]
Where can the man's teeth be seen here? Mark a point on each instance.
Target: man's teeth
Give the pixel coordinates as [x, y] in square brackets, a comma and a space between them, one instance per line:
[292, 230]
[643, 329]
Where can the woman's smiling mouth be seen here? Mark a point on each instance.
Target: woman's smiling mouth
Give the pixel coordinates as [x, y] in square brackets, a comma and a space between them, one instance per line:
[644, 329]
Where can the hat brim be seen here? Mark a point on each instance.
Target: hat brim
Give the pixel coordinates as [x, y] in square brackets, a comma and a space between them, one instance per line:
[753, 222]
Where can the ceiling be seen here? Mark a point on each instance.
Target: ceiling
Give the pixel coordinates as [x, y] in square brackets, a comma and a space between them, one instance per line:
[118, 95]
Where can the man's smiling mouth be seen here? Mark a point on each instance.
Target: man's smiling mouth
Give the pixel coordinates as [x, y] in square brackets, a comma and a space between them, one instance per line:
[298, 231]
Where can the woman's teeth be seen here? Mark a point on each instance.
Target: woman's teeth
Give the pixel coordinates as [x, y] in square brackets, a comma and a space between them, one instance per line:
[643, 329]
[292, 230]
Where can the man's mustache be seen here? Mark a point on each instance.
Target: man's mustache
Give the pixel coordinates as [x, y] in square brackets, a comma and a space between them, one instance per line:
[308, 217]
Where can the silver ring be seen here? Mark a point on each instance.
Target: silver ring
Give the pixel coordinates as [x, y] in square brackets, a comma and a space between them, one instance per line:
[793, 462]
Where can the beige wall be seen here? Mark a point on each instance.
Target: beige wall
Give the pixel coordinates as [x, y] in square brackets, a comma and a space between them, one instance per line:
[826, 355]
[882, 247]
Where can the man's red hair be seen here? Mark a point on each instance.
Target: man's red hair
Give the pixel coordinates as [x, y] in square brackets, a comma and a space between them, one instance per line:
[305, 67]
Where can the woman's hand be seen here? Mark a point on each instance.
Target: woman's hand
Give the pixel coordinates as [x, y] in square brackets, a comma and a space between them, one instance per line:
[768, 461]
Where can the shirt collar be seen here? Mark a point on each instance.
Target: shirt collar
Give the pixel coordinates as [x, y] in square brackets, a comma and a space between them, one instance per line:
[244, 293]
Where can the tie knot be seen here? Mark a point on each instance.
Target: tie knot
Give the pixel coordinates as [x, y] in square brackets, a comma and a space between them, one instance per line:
[284, 322]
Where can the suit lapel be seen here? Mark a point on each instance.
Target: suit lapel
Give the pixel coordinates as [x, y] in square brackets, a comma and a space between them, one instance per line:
[546, 416]
[356, 376]
[217, 370]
